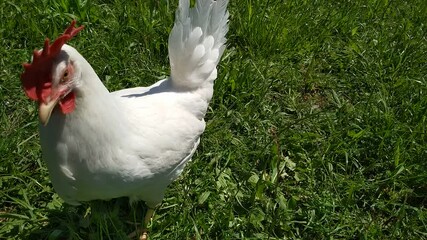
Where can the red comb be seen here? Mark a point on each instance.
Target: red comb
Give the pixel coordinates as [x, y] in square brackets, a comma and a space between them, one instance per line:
[37, 78]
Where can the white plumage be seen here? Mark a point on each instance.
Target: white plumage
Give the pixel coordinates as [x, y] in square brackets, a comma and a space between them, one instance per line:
[134, 142]
[196, 42]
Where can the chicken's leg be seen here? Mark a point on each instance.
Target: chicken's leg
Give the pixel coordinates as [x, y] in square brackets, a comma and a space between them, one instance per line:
[142, 232]
[147, 218]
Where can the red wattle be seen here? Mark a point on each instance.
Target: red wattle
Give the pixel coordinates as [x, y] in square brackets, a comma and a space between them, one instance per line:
[67, 104]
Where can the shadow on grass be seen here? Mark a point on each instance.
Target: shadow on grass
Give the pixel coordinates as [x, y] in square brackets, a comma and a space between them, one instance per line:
[113, 219]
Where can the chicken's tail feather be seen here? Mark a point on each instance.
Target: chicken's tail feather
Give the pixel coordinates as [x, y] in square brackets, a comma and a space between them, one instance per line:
[197, 42]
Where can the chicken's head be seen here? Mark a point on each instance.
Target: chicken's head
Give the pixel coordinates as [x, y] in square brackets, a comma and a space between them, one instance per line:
[52, 76]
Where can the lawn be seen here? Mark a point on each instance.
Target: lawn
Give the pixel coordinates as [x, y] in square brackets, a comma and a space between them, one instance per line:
[317, 127]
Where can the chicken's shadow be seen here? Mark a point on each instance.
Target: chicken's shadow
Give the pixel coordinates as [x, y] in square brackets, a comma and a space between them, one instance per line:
[113, 219]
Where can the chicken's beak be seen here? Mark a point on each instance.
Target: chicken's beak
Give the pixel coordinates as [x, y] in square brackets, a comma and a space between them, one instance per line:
[45, 110]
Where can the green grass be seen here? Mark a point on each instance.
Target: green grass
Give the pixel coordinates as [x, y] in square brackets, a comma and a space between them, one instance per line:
[317, 128]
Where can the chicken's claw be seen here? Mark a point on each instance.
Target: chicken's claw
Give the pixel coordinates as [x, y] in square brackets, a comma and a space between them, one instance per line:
[144, 235]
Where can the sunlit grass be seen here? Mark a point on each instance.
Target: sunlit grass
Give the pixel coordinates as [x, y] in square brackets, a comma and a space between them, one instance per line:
[317, 128]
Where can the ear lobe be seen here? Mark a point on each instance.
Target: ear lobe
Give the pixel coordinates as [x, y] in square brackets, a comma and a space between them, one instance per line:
[67, 104]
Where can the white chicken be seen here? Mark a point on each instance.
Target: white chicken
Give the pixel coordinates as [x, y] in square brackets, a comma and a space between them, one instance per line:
[133, 142]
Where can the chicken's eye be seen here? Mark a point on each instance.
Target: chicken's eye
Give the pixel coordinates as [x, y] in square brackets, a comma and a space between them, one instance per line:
[64, 76]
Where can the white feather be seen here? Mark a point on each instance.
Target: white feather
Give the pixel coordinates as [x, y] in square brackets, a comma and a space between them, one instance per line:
[198, 32]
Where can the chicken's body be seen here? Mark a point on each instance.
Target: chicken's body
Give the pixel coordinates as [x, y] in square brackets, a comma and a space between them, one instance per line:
[133, 142]
[134, 145]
